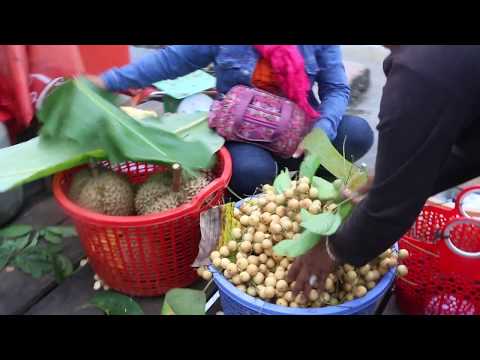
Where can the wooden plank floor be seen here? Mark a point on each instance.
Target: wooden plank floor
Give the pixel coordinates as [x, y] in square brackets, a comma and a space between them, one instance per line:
[22, 294]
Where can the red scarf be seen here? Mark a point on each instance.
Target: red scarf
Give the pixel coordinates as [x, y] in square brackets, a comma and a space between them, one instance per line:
[289, 67]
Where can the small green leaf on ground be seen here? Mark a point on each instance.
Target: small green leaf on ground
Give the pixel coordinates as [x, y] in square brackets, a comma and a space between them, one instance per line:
[52, 238]
[14, 231]
[62, 267]
[54, 248]
[63, 231]
[7, 250]
[112, 303]
[34, 241]
[184, 302]
[34, 261]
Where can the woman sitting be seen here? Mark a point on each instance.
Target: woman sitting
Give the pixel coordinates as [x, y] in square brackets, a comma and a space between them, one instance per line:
[285, 70]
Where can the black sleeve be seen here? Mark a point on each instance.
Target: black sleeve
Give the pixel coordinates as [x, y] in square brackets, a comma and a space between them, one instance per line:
[419, 122]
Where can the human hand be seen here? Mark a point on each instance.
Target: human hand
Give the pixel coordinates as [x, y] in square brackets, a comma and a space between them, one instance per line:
[299, 152]
[311, 270]
[357, 196]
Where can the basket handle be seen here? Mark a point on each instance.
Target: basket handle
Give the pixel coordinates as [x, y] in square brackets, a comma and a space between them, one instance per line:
[219, 184]
[448, 240]
[461, 196]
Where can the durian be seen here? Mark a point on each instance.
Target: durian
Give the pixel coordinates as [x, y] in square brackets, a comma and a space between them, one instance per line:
[107, 193]
[78, 182]
[156, 194]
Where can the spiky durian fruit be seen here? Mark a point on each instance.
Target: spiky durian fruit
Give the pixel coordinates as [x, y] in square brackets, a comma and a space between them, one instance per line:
[107, 193]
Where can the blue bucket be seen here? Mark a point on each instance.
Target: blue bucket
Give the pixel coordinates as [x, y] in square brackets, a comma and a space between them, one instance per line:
[236, 302]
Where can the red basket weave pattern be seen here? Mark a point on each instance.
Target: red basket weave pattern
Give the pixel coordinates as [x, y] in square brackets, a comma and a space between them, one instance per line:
[144, 255]
[440, 281]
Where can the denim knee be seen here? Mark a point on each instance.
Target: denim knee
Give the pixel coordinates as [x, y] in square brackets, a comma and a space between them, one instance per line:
[252, 167]
[359, 137]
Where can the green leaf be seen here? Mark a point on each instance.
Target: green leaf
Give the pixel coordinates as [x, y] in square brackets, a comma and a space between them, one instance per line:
[81, 112]
[9, 248]
[326, 190]
[320, 151]
[62, 267]
[188, 127]
[344, 210]
[39, 158]
[54, 248]
[81, 122]
[309, 165]
[22, 242]
[34, 241]
[322, 224]
[63, 231]
[52, 238]
[14, 231]
[112, 303]
[297, 247]
[184, 302]
[34, 261]
[282, 182]
[7, 251]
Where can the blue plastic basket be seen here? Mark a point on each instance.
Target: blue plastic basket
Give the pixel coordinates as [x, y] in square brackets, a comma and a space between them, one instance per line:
[236, 302]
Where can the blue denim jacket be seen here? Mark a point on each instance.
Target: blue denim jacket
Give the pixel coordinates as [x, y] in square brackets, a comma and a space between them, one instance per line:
[235, 64]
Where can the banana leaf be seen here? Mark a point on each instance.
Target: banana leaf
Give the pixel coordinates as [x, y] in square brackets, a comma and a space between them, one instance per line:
[37, 158]
[320, 151]
[81, 122]
[83, 113]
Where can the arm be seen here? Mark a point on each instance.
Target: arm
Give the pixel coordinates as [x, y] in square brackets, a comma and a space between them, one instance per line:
[167, 63]
[333, 89]
[419, 122]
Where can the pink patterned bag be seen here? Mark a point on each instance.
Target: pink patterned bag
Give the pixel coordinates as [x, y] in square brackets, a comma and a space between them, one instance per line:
[255, 116]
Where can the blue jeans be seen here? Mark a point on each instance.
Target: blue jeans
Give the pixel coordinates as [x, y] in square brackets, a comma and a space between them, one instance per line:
[254, 166]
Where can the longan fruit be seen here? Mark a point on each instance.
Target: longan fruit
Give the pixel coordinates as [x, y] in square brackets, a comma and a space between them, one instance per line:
[242, 264]
[252, 270]
[215, 255]
[245, 276]
[403, 254]
[259, 278]
[232, 245]
[252, 259]
[224, 251]
[246, 246]
[258, 237]
[237, 233]
[267, 244]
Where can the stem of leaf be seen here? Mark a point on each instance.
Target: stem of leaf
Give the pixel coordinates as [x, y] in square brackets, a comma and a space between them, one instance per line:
[344, 202]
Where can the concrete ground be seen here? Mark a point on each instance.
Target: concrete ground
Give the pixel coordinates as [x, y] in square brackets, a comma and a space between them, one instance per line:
[372, 57]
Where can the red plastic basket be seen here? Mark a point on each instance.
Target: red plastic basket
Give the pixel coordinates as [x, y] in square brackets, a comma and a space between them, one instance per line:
[144, 255]
[444, 262]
